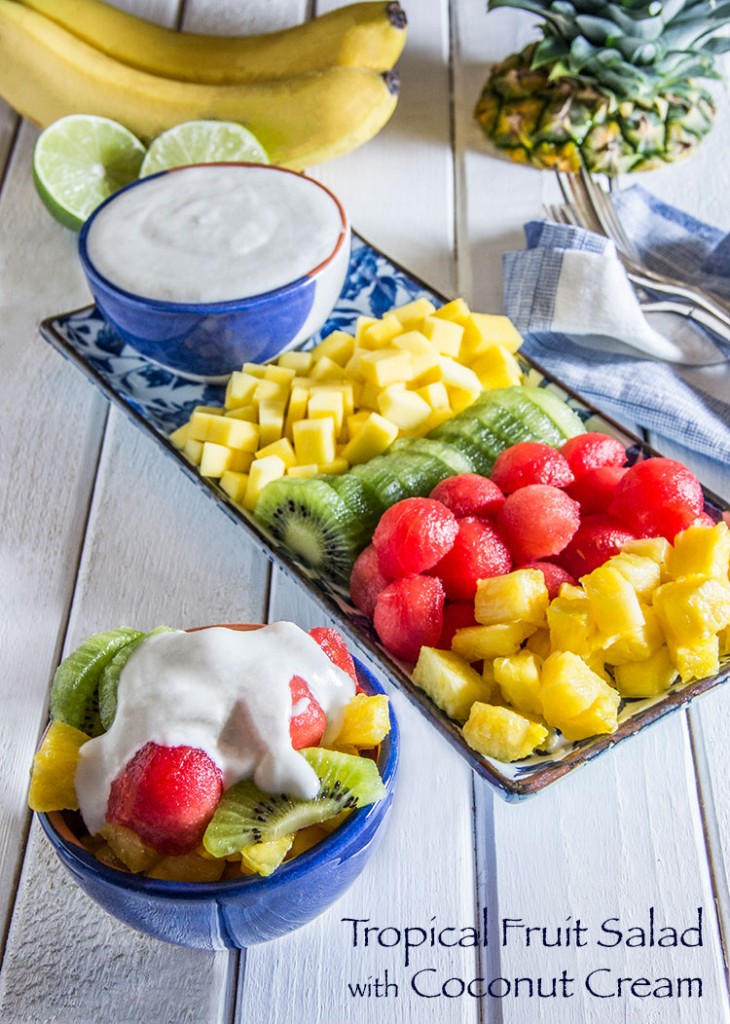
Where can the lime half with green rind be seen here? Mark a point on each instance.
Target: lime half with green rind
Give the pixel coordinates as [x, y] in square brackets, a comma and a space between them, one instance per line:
[79, 161]
[202, 142]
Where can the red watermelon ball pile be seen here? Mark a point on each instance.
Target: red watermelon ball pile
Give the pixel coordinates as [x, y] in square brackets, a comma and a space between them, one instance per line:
[564, 511]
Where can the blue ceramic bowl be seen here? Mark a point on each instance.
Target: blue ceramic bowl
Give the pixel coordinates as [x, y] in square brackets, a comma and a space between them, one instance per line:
[241, 912]
[209, 340]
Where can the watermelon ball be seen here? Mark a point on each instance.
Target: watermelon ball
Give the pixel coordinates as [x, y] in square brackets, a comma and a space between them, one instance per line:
[530, 462]
[413, 535]
[469, 494]
[592, 450]
[335, 648]
[457, 615]
[308, 721]
[555, 575]
[658, 498]
[595, 541]
[538, 521]
[594, 490]
[477, 553]
[367, 580]
[409, 615]
[167, 795]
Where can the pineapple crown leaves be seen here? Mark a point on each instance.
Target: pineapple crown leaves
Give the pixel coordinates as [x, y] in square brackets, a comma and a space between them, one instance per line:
[629, 47]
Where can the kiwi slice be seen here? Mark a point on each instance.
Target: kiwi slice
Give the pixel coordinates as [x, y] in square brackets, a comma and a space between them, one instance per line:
[381, 481]
[455, 461]
[109, 678]
[313, 522]
[565, 419]
[358, 499]
[74, 690]
[246, 815]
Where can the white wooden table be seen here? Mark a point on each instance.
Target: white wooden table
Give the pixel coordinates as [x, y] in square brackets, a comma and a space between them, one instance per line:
[98, 528]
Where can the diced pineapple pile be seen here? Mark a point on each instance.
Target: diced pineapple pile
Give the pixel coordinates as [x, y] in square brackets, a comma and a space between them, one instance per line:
[348, 399]
[652, 614]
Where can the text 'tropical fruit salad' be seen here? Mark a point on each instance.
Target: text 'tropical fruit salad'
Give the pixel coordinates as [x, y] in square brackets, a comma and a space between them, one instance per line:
[194, 756]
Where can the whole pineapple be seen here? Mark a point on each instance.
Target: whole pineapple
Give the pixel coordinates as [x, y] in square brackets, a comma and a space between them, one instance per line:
[611, 86]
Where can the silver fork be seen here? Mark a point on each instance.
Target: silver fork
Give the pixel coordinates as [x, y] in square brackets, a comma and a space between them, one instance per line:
[595, 211]
[567, 214]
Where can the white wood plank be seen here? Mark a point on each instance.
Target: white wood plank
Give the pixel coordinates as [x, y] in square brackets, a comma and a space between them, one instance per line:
[605, 842]
[50, 437]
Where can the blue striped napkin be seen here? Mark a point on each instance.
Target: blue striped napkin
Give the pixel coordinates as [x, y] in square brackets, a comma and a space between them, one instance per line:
[569, 297]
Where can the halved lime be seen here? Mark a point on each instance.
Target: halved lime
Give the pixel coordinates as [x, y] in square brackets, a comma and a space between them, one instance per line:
[81, 159]
[202, 142]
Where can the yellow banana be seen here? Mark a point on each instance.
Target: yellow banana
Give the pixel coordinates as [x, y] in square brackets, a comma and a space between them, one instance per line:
[368, 35]
[46, 73]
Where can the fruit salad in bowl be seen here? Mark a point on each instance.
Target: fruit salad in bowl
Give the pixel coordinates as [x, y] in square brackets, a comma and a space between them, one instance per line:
[215, 787]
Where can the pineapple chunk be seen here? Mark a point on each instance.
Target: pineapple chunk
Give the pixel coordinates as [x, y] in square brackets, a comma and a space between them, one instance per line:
[265, 858]
[518, 678]
[498, 640]
[189, 867]
[656, 548]
[569, 622]
[692, 608]
[612, 602]
[502, 733]
[697, 660]
[305, 839]
[451, 683]
[576, 699]
[646, 678]
[539, 643]
[636, 644]
[642, 572]
[701, 550]
[54, 768]
[129, 848]
[366, 721]
[519, 596]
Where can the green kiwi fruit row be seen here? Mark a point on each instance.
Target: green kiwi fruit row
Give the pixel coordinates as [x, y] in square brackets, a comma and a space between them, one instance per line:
[326, 521]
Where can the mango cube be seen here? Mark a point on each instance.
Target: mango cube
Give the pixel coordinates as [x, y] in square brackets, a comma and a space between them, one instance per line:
[180, 436]
[314, 440]
[502, 733]
[263, 471]
[496, 368]
[519, 596]
[271, 420]
[379, 333]
[414, 311]
[301, 362]
[337, 346]
[376, 434]
[240, 389]
[404, 408]
[497, 329]
[444, 335]
[282, 448]
[451, 683]
[386, 366]
[234, 485]
[456, 310]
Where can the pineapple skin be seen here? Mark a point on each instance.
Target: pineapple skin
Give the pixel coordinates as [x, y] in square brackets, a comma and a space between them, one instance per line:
[567, 124]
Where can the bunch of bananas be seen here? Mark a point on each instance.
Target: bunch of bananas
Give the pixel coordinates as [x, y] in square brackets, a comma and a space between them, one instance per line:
[308, 93]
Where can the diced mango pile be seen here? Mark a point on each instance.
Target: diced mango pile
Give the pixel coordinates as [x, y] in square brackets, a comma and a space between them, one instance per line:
[350, 397]
[650, 615]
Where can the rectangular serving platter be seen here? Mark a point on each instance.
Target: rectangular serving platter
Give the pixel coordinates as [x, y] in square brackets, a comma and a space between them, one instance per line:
[157, 401]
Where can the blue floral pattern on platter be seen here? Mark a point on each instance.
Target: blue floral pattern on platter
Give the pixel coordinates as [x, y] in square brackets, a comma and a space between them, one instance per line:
[157, 400]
